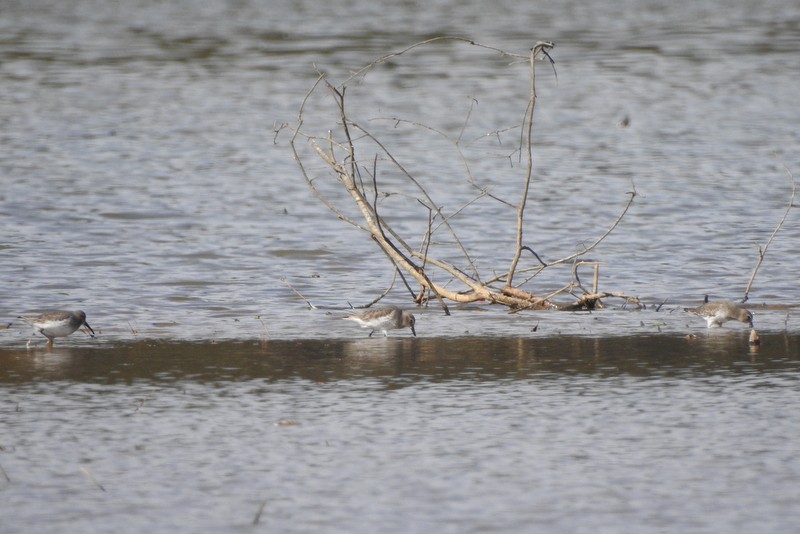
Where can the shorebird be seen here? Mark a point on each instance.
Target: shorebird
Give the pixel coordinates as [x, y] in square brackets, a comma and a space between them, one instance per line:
[717, 312]
[384, 319]
[58, 323]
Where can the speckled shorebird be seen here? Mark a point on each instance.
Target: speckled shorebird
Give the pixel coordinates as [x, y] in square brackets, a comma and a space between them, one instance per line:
[58, 323]
[384, 319]
[717, 312]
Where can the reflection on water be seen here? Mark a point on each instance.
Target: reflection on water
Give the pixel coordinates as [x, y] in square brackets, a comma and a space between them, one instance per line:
[410, 358]
[562, 433]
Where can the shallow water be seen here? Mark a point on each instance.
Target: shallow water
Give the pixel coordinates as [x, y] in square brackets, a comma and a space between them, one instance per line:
[142, 180]
[414, 435]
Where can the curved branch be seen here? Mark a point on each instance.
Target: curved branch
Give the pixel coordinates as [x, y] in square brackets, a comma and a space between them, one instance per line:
[387, 57]
[591, 247]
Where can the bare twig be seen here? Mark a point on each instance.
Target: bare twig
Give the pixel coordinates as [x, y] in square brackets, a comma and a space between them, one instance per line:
[591, 247]
[265, 335]
[472, 104]
[413, 180]
[299, 161]
[296, 292]
[91, 478]
[387, 57]
[762, 251]
[395, 272]
[426, 239]
[384, 239]
[542, 264]
[260, 511]
[471, 181]
[528, 128]
[396, 264]
[456, 144]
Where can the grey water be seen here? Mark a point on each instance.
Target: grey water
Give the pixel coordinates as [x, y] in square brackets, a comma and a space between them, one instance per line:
[146, 177]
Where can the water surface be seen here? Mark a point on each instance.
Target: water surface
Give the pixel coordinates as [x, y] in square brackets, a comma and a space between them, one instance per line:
[143, 181]
[146, 177]
[647, 433]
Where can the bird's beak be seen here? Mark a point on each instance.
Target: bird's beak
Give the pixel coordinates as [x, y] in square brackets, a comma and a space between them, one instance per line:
[413, 331]
[89, 327]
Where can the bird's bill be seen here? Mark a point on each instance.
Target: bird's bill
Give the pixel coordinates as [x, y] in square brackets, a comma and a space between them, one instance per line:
[413, 331]
[89, 327]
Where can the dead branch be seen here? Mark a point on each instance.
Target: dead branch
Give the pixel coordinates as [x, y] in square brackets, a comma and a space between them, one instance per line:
[600, 239]
[362, 71]
[395, 272]
[413, 180]
[296, 292]
[528, 122]
[572, 257]
[338, 151]
[762, 251]
[591, 301]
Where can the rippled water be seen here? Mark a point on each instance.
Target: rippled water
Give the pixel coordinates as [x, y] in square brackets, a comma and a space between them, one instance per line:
[142, 180]
[574, 434]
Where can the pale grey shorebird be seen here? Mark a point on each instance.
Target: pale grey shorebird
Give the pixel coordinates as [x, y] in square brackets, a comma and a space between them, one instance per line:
[717, 312]
[384, 319]
[57, 323]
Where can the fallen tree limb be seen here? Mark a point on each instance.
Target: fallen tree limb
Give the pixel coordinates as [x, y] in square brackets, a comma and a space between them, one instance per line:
[339, 150]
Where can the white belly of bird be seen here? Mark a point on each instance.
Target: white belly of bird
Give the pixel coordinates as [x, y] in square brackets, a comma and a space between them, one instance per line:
[57, 328]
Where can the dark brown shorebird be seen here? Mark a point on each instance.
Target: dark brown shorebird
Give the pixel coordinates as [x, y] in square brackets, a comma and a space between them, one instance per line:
[383, 319]
[57, 323]
[717, 312]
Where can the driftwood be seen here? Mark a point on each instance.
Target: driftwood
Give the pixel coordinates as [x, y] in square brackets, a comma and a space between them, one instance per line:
[340, 149]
